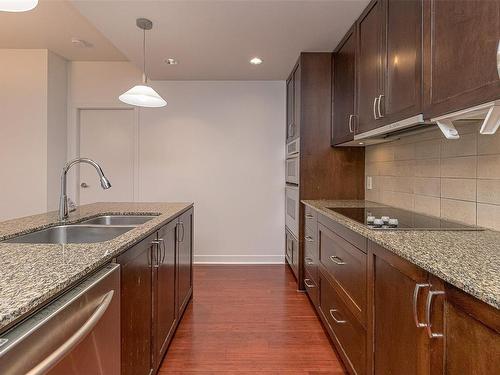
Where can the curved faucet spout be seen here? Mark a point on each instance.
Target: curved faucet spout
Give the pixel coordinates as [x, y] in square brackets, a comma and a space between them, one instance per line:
[63, 201]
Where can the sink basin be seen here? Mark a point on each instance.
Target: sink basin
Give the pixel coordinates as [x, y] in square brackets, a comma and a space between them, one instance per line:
[119, 220]
[63, 234]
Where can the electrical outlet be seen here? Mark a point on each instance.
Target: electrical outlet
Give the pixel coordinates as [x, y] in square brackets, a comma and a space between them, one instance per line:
[369, 182]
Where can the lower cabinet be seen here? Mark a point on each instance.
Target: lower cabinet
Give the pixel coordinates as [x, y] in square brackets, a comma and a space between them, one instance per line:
[156, 286]
[292, 252]
[385, 315]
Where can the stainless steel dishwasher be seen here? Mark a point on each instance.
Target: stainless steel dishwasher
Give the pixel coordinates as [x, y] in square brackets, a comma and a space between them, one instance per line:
[78, 333]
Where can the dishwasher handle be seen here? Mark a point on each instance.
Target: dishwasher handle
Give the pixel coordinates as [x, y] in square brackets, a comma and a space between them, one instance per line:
[58, 354]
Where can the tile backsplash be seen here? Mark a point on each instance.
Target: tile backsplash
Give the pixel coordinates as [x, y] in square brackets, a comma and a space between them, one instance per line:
[453, 179]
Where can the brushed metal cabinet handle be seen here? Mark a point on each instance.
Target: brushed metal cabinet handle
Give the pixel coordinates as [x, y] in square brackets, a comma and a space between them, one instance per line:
[428, 310]
[338, 321]
[307, 282]
[309, 238]
[415, 304]
[351, 130]
[82, 332]
[375, 108]
[337, 260]
[380, 115]
[156, 262]
[309, 261]
[498, 59]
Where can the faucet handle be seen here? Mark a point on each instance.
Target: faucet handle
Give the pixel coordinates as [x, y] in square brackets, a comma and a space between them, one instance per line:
[71, 205]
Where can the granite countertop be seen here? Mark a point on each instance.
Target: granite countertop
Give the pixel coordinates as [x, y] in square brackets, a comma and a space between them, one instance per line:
[32, 274]
[469, 260]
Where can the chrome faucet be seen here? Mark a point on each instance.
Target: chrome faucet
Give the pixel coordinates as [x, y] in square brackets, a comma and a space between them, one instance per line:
[63, 201]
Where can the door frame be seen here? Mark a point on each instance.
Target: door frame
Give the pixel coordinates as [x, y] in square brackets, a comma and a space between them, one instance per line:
[73, 144]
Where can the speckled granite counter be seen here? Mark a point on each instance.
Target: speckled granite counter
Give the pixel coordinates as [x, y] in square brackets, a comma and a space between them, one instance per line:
[31, 274]
[469, 260]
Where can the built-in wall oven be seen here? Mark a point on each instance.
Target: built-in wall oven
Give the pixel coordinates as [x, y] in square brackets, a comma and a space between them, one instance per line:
[292, 170]
[78, 333]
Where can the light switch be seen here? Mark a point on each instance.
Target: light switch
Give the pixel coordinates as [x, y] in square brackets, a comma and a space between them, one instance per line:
[369, 182]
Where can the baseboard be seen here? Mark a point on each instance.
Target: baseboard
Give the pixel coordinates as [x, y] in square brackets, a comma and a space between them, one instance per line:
[239, 259]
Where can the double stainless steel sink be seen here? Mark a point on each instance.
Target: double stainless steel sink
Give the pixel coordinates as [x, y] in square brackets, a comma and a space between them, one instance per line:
[97, 229]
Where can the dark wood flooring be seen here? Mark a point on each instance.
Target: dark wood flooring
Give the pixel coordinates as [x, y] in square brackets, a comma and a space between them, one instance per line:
[249, 319]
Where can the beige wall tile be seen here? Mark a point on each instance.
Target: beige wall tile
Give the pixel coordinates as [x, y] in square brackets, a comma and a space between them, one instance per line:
[464, 146]
[488, 216]
[459, 188]
[404, 151]
[460, 167]
[401, 184]
[387, 168]
[468, 126]
[397, 199]
[371, 168]
[488, 166]
[427, 205]
[428, 149]
[427, 186]
[488, 191]
[372, 195]
[380, 152]
[404, 168]
[456, 210]
[488, 144]
[428, 168]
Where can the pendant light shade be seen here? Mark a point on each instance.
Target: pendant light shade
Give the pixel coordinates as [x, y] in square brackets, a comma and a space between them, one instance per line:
[143, 95]
[17, 5]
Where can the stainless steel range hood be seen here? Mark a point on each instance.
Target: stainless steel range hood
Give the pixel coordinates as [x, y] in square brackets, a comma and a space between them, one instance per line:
[391, 130]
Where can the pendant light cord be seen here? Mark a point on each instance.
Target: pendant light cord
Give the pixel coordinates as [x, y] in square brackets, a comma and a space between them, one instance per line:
[144, 56]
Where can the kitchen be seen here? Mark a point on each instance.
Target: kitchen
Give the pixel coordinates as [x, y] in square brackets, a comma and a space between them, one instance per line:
[272, 187]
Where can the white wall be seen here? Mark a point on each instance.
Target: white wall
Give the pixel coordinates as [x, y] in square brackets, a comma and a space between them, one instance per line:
[219, 144]
[32, 114]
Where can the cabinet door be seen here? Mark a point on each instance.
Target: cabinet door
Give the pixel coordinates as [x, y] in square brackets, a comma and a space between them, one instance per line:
[399, 346]
[402, 48]
[296, 103]
[470, 342]
[136, 308]
[460, 54]
[165, 311]
[369, 68]
[343, 76]
[289, 108]
[184, 259]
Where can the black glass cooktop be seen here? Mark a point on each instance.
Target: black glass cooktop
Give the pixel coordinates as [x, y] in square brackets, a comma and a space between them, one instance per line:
[386, 217]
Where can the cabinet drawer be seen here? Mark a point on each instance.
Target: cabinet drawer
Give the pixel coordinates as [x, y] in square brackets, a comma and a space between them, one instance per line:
[346, 265]
[292, 251]
[311, 218]
[354, 238]
[349, 336]
[311, 254]
[312, 289]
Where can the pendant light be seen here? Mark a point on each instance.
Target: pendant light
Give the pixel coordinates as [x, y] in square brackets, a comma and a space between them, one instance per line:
[17, 5]
[143, 95]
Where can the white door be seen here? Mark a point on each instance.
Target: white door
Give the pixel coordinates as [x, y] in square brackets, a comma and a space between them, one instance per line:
[108, 137]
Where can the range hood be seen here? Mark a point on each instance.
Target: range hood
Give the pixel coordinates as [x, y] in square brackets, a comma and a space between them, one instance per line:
[488, 113]
[387, 132]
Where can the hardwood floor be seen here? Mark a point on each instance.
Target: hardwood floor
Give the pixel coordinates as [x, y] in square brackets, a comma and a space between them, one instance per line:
[249, 320]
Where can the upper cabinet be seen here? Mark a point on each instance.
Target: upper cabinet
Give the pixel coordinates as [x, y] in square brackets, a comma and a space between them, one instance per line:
[369, 67]
[460, 61]
[293, 105]
[344, 62]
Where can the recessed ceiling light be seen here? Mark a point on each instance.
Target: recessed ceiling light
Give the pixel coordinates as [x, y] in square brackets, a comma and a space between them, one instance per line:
[17, 5]
[361, 143]
[256, 61]
[171, 61]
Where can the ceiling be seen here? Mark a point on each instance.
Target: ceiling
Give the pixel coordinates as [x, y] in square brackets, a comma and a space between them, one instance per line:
[52, 25]
[214, 40]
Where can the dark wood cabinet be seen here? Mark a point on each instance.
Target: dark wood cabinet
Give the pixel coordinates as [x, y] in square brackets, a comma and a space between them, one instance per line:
[136, 308]
[402, 60]
[460, 54]
[156, 286]
[344, 84]
[289, 108]
[369, 66]
[184, 259]
[399, 293]
[165, 313]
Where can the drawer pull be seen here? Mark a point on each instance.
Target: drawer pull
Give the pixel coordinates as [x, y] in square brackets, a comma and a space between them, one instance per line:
[309, 261]
[337, 260]
[428, 324]
[309, 238]
[415, 304]
[308, 283]
[338, 321]
[309, 216]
